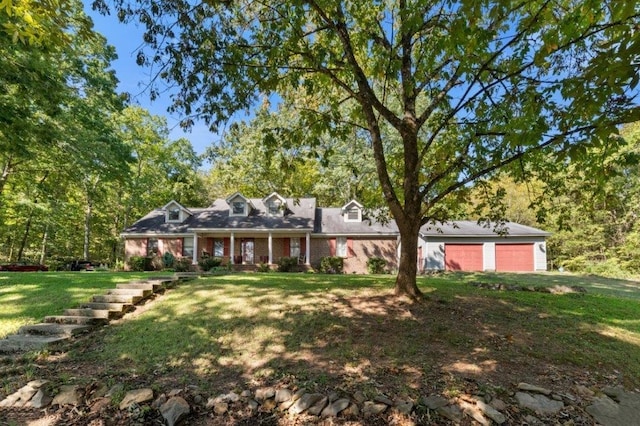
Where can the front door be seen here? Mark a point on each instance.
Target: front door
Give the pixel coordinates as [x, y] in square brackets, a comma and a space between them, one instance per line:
[247, 251]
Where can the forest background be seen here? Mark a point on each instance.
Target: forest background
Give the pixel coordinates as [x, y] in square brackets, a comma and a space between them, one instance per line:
[79, 164]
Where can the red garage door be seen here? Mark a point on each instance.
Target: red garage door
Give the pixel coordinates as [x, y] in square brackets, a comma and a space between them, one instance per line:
[463, 257]
[514, 257]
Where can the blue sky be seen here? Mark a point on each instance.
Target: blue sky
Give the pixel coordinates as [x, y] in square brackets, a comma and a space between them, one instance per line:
[126, 39]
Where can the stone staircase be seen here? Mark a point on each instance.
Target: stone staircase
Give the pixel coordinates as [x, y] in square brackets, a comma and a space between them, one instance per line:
[98, 312]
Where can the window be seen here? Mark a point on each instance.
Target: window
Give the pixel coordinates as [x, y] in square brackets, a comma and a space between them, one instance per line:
[294, 247]
[341, 246]
[218, 248]
[174, 214]
[238, 207]
[187, 247]
[274, 207]
[353, 214]
[152, 246]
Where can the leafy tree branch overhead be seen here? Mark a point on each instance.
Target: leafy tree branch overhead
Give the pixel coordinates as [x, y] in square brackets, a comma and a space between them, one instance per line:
[466, 87]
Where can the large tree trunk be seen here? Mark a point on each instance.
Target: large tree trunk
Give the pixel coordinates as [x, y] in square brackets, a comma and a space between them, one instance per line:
[407, 269]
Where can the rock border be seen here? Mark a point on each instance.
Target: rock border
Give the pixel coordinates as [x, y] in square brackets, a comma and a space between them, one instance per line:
[538, 405]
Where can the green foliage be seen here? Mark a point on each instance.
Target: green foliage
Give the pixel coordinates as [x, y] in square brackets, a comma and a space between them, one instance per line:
[183, 264]
[168, 260]
[288, 264]
[264, 267]
[331, 265]
[209, 263]
[139, 263]
[376, 265]
[443, 99]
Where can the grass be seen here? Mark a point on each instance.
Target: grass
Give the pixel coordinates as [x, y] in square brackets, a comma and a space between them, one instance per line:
[27, 297]
[225, 333]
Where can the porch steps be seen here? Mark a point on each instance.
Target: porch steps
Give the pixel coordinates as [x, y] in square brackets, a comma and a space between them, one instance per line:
[98, 312]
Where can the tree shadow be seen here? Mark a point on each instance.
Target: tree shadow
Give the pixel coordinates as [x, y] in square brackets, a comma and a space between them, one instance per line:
[340, 333]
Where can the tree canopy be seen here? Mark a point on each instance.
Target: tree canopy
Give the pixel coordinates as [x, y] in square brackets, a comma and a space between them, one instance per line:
[466, 87]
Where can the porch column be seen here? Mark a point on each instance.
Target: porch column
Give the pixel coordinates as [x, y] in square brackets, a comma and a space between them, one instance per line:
[307, 254]
[232, 247]
[195, 249]
[270, 249]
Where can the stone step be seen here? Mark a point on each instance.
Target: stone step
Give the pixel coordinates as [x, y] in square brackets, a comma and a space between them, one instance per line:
[25, 342]
[113, 308]
[75, 319]
[53, 329]
[116, 298]
[136, 292]
[168, 282]
[153, 286]
[93, 313]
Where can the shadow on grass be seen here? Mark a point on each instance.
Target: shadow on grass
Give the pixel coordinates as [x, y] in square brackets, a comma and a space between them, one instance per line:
[349, 333]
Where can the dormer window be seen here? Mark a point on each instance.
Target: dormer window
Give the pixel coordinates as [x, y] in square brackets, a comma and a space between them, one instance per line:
[275, 204]
[174, 214]
[274, 207]
[238, 207]
[352, 211]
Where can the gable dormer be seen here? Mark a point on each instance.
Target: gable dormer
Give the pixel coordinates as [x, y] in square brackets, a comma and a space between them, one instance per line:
[275, 204]
[239, 205]
[174, 212]
[352, 211]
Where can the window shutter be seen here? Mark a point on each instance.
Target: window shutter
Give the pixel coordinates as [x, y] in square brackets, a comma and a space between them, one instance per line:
[286, 247]
[303, 246]
[332, 247]
[226, 246]
[350, 252]
[209, 246]
[178, 249]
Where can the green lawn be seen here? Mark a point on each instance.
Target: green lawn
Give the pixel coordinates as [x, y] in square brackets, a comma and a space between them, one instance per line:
[321, 332]
[27, 297]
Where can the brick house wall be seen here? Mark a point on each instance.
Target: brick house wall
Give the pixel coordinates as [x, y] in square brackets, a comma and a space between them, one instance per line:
[361, 250]
[135, 247]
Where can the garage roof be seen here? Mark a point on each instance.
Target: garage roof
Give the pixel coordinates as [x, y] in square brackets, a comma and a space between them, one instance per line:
[469, 228]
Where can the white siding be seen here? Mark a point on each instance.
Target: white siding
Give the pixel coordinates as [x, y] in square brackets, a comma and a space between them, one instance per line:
[489, 256]
[540, 253]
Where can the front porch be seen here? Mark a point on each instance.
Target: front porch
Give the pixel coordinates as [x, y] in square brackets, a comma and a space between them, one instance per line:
[251, 249]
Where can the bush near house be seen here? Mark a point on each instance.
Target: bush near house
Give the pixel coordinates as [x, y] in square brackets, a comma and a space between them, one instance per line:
[209, 263]
[288, 264]
[376, 265]
[331, 265]
[139, 263]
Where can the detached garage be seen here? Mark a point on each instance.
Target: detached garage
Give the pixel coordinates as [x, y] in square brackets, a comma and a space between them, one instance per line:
[468, 246]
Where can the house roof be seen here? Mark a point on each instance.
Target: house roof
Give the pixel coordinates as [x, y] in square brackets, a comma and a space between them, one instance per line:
[299, 216]
[154, 223]
[469, 228]
[330, 220]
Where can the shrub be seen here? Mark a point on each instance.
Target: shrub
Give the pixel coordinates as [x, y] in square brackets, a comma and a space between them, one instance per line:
[182, 264]
[138, 263]
[331, 265]
[264, 267]
[168, 259]
[208, 263]
[288, 264]
[376, 265]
